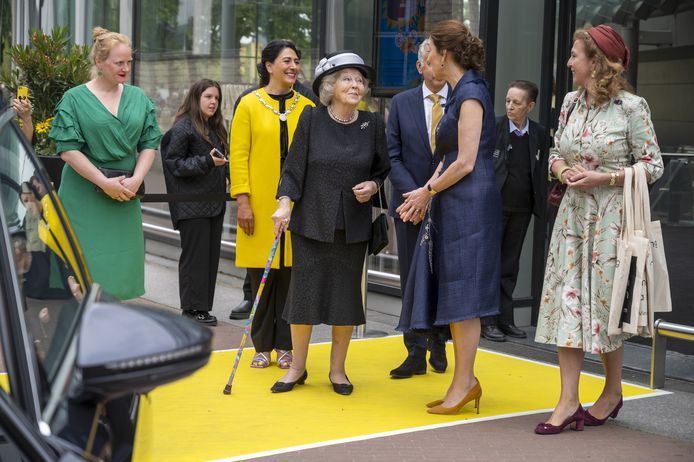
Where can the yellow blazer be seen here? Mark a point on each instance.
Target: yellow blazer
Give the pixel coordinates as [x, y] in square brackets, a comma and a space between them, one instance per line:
[254, 169]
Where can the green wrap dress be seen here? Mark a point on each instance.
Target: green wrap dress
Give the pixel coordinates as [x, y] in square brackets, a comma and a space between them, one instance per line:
[109, 232]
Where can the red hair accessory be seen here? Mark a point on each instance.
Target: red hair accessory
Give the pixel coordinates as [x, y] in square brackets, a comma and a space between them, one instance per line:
[610, 43]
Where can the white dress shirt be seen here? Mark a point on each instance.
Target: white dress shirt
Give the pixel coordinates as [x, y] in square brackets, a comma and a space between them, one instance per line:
[429, 104]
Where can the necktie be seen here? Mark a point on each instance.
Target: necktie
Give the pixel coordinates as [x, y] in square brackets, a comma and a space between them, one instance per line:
[518, 133]
[436, 114]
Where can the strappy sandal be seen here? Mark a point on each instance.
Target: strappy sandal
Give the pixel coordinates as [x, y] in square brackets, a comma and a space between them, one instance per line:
[261, 360]
[284, 359]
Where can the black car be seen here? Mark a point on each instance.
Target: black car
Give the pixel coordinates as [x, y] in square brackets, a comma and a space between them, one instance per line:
[73, 360]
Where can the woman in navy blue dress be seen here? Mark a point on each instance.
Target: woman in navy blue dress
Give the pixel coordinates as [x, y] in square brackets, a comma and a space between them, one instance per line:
[455, 273]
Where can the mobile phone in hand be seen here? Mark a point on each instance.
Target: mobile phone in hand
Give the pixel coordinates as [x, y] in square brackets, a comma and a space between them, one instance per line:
[22, 92]
[217, 153]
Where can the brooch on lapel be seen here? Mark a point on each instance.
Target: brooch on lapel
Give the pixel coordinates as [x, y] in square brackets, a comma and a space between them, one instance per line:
[364, 125]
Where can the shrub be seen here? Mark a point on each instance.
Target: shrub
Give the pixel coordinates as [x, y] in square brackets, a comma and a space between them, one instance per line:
[49, 66]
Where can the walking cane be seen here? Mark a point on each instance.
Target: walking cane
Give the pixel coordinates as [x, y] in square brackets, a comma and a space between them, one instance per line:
[247, 329]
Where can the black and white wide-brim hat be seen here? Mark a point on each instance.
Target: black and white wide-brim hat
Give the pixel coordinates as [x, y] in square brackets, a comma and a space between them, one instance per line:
[337, 61]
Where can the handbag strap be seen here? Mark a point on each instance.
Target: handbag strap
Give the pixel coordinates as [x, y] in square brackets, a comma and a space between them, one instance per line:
[628, 208]
[642, 197]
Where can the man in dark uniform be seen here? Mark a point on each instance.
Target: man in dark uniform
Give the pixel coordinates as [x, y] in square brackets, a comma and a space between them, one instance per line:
[414, 116]
[520, 163]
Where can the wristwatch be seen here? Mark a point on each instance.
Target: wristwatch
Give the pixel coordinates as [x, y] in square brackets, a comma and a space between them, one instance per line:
[430, 190]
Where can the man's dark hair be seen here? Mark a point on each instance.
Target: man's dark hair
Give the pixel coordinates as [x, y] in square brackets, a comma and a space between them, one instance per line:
[529, 87]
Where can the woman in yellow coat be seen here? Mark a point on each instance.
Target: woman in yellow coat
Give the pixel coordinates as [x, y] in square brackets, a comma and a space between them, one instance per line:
[262, 131]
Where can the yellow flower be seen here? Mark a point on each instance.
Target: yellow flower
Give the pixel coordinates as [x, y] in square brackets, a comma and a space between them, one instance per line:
[43, 127]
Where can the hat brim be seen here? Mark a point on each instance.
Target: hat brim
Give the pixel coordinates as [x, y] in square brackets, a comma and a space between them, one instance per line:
[367, 71]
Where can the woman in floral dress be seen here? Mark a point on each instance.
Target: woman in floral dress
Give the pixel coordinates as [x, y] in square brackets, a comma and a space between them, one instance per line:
[603, 129]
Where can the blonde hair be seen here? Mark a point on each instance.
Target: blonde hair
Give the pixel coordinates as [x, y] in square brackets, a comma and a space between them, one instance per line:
[607, 78]
[104, 41]
[327, 87]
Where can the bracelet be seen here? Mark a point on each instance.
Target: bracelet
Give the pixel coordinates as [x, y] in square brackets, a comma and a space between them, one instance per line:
[613, 178]
[283, 197]
[431, 190]
[561, 172]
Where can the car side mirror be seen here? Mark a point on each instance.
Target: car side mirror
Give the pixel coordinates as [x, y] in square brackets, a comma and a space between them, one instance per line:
[124, 349]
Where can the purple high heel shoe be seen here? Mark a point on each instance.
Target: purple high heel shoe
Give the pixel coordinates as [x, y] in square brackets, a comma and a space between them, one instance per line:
[576, 421]
[593, 421]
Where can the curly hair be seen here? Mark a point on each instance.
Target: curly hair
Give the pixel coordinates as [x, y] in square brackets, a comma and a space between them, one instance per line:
[327, 87]
[104, 41]
[607, 79]
[466, 49]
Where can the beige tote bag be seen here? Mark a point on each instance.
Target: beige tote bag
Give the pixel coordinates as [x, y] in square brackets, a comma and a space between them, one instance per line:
[657, 277]
[629, 276]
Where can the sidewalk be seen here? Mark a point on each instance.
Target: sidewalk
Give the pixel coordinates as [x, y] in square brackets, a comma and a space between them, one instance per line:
[658, 428]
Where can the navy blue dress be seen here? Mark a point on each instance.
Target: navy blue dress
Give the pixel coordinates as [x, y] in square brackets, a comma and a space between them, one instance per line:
[456, 265]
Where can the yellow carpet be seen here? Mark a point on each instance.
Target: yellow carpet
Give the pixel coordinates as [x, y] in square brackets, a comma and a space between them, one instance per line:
[253, 420]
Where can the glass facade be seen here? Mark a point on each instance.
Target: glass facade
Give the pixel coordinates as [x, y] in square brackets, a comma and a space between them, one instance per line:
[180, 41]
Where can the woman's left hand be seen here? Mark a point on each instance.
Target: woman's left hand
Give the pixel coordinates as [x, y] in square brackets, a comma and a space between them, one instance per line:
[415, 205]
[584, 179]
[364, 190]
[131, 183]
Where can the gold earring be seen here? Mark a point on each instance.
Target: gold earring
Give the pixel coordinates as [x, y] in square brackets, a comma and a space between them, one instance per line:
[593, 74]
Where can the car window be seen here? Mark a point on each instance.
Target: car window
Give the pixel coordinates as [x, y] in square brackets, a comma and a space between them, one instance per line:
[50, 272]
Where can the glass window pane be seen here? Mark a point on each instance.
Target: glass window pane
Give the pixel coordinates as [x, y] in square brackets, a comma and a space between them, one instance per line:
[102, 13]
[44, 261]
[183, 41]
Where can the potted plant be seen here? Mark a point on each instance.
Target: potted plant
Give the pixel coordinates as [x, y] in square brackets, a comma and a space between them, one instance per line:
[49, 66]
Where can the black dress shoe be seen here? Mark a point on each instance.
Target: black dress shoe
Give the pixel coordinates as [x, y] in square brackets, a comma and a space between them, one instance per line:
[242, 310]
[202, 317]
[409, 367]
[341, 388]
[281, 387]
[437, 359]
[512, 331]
[492, 332]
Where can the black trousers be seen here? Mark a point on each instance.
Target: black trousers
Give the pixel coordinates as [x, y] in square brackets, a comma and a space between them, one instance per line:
[201, 239]
[247, 295]
[269, 331]
[406, 234]
[514, 226]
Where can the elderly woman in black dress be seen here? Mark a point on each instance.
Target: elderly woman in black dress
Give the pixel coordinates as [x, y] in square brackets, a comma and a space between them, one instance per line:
[337, 162]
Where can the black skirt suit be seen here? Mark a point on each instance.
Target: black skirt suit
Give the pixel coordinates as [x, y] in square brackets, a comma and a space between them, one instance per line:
[330, 228]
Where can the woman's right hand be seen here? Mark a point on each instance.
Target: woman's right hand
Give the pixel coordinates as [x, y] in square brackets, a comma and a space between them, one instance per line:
[218, 161]
[244, 214]
[281, 216]
[116, 190]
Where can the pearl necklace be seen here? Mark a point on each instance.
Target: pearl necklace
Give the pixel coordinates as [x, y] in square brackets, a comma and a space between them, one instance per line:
[282, 115]
[351, 119]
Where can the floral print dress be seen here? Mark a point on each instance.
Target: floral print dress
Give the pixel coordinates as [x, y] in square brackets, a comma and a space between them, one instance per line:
[577, 288]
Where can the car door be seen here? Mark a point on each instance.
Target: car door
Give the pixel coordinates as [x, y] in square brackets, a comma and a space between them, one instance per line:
[42, 284]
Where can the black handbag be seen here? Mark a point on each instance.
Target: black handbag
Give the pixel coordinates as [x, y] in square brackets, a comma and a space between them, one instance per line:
[379, 229]
[114, 173]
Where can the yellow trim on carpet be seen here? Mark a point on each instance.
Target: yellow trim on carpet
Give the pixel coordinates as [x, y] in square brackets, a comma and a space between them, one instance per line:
[191, 420]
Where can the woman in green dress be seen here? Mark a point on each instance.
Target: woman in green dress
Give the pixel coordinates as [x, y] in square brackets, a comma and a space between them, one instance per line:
[106, 124]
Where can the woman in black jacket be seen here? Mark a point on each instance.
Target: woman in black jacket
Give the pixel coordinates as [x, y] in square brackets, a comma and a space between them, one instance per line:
[195, 161]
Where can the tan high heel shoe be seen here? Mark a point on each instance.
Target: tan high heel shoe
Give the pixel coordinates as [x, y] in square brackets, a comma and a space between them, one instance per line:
[434, 403]
[475, 393]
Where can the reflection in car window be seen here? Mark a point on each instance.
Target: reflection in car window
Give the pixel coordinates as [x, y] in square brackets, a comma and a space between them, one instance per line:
[48, 275]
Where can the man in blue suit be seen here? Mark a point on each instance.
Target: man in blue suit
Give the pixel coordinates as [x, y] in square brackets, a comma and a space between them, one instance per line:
[414, 115]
